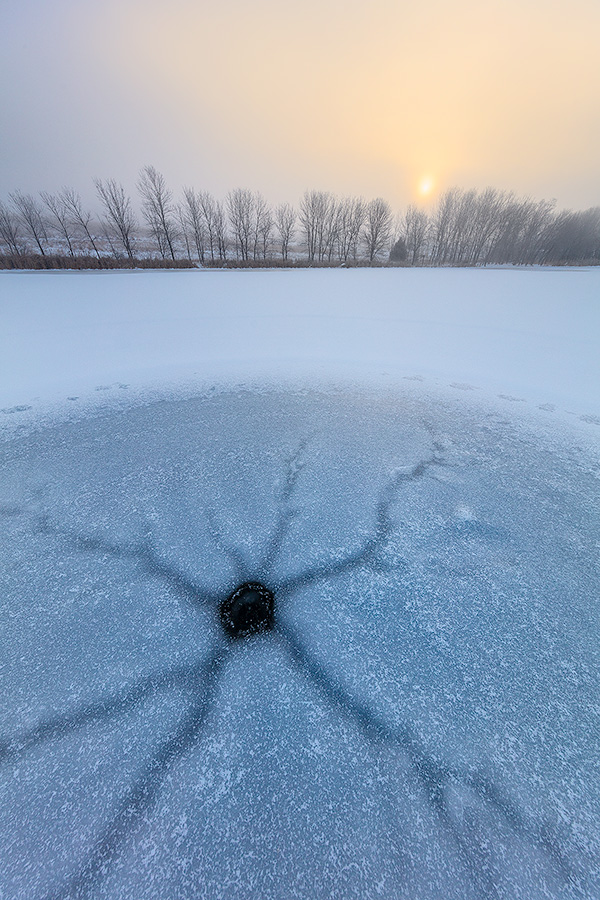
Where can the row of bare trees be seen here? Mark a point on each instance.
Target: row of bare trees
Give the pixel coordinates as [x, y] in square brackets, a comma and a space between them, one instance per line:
[474, 228]
[467, 227]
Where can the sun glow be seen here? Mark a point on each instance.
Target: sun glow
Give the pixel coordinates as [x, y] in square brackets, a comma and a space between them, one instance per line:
[425, 186]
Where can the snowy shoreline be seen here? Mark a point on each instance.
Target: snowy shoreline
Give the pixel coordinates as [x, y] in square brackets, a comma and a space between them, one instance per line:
[521, 341]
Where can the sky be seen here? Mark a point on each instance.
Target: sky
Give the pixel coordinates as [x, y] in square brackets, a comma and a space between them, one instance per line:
[386, 98]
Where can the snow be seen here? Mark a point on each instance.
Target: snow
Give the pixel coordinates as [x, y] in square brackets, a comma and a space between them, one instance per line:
[527, 334]
[423, 720]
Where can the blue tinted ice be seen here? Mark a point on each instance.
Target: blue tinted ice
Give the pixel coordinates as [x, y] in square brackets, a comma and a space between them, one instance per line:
[423, 719]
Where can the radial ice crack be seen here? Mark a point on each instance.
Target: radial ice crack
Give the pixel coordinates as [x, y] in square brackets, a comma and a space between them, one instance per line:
[410, 712]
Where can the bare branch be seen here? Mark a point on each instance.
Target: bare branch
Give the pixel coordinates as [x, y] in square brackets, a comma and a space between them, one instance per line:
[32, 218]
[158, 210]
[119, 219]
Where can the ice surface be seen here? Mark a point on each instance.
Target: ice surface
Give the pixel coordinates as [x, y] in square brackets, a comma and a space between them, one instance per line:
[423, 721]
[523, 339]
[412, 470]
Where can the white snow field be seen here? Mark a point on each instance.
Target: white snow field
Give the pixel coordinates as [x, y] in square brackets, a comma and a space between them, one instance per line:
[404, 463]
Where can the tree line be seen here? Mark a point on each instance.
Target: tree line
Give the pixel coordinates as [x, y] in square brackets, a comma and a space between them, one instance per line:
[467, 227]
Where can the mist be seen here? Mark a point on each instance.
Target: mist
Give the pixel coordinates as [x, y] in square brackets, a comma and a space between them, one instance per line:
[336, 96]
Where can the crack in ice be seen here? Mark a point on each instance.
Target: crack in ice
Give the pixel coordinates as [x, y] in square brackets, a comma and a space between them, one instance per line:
[202, 678]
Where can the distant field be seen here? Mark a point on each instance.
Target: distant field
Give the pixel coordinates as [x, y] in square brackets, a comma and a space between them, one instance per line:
[523, 338]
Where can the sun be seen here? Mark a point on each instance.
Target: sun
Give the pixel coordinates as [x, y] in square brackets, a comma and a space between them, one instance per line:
[425, 186]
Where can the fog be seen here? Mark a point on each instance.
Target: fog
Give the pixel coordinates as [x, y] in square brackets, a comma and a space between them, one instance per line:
[345, 98]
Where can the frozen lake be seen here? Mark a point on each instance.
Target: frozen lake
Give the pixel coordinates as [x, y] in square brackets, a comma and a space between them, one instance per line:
[406, 463]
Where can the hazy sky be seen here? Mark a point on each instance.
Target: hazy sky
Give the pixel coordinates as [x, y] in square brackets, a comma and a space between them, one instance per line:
[358, 98]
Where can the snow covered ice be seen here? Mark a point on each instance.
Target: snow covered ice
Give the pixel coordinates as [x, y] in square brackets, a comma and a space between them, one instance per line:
[422, 719]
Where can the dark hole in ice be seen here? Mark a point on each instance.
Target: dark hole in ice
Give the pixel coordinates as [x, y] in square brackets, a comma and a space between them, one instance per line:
[383, 546]
[249, 610]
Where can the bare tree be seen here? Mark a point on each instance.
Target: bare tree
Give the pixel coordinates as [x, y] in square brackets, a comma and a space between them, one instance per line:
[487, 222]
[378, 227]
[310, 213]
[9, 231]
[520, 236]
[414, 227]
[32, 218]
[442, 226]
[538, 219]
[241, 210]
[184, 229]
[209, 216]
[79, 217]
[317, 219]
[219, 220]
[193, 219]
[352, 212]
[59, 219]
[285, 222]
[263, 227]
[158, 210]
[119, 221]
[251, 222]
[573, 237]
[504, 244]
[215, 222]
[206, 221]
[588, 240]
[461, 228]
[332, 231]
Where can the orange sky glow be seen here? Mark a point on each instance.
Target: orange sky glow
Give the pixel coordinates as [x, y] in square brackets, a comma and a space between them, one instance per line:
[380, 99]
